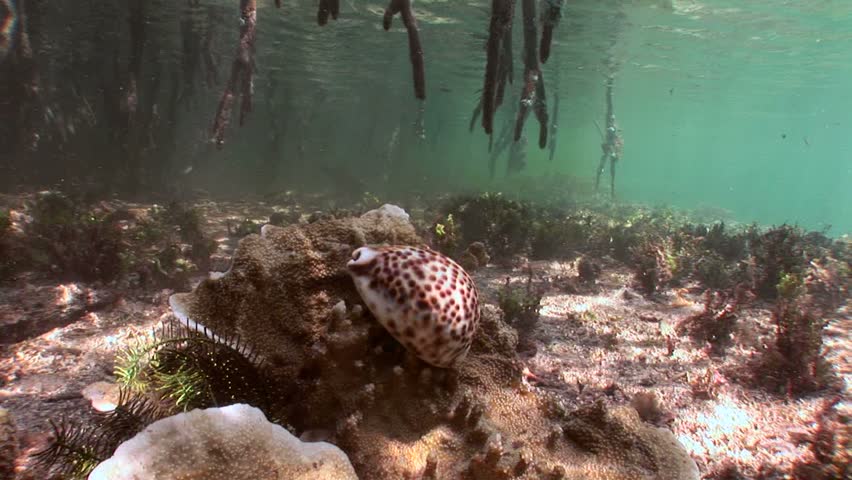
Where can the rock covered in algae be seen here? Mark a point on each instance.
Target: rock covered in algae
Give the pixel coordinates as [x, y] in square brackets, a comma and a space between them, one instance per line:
[229, 443]
[340, 376]
[600, 430]
[282, 281]
[423, 298]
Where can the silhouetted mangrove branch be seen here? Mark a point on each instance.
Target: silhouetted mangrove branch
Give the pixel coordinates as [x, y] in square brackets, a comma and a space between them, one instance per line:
[502, 12]
[554, 118]
[533, 94]
[134, 68]
[477, 110]
[613, 145]
[503, 140]
[326, 8]
[553, 126]
[505, 70]
[242, 73]
[415, 49]
[549, 20]
[26, 76]
[197, 54]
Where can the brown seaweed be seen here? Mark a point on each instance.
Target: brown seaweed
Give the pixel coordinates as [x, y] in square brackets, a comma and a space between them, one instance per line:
[242, 73]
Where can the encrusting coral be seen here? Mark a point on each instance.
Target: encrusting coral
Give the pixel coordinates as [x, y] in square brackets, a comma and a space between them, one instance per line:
[236, 442]
[344, 379]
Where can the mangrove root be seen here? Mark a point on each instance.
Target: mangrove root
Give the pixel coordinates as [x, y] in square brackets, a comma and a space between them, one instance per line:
[533, 94]
[549, 20]
[415, 49]
[505, 71]
[613, 145]
[475, 116]
[553, 127]
[326, 8]
[26, 71]
[242, 73]
[502, 12]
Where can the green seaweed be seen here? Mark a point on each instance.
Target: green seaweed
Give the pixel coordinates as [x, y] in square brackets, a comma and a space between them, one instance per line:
[775, 253]
[504, 225]
[75, 240]
[245, 228]
[445, 235]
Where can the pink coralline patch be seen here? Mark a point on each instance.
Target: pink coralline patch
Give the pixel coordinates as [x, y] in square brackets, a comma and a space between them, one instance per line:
[423, 298]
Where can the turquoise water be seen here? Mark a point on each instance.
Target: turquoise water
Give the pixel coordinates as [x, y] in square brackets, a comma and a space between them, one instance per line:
[738, 106]
[758, 119]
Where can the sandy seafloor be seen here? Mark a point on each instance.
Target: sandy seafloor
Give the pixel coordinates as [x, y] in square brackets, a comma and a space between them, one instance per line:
[602, 340]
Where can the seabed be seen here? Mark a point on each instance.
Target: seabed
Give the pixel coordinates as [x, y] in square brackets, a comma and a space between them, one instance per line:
[601, 338]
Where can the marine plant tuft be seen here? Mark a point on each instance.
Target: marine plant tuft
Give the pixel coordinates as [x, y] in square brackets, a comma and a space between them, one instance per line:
[653, 264]
[795, 363]
[75, 240]
[504, 225]
[775, 253]
[521, 308]
[179, 369]
[715, 324]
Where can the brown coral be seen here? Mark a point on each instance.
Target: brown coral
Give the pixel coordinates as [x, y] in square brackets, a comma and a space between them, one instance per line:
[340, 372]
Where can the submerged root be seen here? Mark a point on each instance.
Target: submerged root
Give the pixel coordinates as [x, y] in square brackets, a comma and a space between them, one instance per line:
[549, 20]
[241, 81]
[533, 94]
[326, 8]
[502, 12]
[415, 48]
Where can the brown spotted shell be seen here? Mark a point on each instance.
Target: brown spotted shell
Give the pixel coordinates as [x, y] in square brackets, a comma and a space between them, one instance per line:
[423, 298]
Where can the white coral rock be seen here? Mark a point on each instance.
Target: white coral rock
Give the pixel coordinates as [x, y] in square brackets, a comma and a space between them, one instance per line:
[387, 211]
[229, 443]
